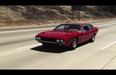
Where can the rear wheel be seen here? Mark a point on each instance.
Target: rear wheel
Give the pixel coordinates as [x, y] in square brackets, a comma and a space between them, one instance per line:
[92, 38]
[73, 43]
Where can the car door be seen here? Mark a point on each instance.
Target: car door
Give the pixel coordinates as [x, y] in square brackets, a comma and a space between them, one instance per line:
[90, 30]
[85, 34]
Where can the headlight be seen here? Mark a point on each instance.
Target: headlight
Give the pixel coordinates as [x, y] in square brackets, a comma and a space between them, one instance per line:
[57, 40]
[60, 41]
[38, 38]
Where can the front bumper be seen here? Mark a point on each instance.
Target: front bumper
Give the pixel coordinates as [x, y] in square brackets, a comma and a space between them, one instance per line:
[50, 42]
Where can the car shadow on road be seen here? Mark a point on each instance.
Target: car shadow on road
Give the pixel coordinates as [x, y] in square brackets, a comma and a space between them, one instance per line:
[50, 49]
[56, 49]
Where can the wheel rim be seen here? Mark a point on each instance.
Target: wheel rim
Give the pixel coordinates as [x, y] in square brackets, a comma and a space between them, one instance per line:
[74, 44]
[93, 38]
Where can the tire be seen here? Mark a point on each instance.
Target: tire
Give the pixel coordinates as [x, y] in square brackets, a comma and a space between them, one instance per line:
[92, 38]
[73, 44]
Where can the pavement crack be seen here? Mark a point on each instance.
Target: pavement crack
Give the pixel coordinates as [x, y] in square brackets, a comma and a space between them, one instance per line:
[107, 63]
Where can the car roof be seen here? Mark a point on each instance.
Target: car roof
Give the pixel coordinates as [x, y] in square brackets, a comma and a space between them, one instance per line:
[77, 23]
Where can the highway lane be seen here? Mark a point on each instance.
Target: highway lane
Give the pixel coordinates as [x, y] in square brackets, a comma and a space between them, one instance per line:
[19, 50]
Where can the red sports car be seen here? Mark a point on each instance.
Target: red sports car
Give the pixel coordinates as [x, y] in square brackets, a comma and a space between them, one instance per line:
[69, 35]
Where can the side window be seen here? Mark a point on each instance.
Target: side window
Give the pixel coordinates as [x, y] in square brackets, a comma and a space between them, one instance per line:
[86, 27]
[83, 30]
[90, 26]
[78, 28]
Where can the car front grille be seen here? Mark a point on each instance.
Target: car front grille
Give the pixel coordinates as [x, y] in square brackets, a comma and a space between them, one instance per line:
[48, 39]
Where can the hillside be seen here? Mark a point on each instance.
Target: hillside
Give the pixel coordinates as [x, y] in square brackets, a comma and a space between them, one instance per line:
[12, 15]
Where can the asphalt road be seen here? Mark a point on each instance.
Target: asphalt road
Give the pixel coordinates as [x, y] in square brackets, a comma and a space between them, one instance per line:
[19, 50]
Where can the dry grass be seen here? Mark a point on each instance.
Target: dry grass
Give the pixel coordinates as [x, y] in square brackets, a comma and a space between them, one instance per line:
[28, 15]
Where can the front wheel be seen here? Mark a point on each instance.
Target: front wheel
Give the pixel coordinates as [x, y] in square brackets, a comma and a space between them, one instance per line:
[73, 43]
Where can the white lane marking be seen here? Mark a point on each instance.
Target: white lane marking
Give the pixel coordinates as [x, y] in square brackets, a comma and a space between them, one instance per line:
[25, 30]
[108, 45]
[17, 50]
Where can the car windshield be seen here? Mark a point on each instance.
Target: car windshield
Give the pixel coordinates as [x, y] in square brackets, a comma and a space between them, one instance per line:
[70, 27]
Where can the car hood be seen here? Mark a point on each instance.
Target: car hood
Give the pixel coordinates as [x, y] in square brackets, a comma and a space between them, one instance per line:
[57, 34]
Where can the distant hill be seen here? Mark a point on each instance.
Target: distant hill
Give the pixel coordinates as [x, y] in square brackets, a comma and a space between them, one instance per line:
[36, 14]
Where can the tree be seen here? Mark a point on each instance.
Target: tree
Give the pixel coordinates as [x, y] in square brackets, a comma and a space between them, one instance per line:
[77, 8]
